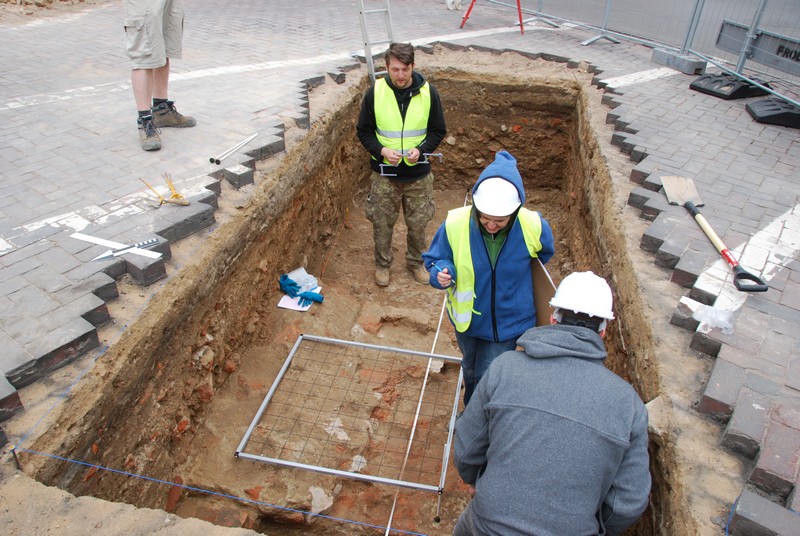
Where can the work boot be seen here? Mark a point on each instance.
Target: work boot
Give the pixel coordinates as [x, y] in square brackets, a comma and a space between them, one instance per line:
[382, 276]
[420, 273]
[148, 134]
[166, 115]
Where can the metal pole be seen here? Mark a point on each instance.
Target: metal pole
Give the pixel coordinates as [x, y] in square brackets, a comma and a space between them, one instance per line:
[267, 398]
[605, 15]
[751, 37]
[604, 32]
[540, 16]
[698, 10]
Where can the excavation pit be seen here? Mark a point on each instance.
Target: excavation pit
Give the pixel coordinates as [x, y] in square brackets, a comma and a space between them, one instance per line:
[158, 421]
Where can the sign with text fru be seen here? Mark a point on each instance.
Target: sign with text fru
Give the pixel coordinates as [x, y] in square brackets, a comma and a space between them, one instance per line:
[771, 49]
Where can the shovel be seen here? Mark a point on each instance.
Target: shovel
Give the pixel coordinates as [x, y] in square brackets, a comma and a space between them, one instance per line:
[681, 191]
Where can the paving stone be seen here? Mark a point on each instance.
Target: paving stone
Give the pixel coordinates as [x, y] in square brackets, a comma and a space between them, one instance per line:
[33, 300]
[145, 270]
[757, 516]
[777, 465]
[706, 342]
[654, 206]
[638, 197]
[99, 283]
[53, 350]
[89, 307]
[746, 426]
[722, 390]
[181, 224]
[689, 267]
[683, 316]
[238, 175]
[671, 251]
[10, 403]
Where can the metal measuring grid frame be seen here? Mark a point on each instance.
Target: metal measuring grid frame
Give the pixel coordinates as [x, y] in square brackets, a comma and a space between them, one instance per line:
[361, 411]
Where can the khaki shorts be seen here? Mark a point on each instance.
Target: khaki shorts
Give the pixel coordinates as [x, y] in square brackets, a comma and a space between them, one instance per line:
[153, 31]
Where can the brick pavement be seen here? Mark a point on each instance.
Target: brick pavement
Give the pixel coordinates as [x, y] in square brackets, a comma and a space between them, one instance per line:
[71, 162]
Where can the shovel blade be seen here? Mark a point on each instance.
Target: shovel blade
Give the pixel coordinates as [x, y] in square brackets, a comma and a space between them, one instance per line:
[679, 190]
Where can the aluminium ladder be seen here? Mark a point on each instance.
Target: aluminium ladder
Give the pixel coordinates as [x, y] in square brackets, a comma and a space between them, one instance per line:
[368, 43]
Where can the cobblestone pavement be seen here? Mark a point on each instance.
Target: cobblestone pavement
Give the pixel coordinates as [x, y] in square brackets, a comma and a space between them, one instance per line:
[71, 162]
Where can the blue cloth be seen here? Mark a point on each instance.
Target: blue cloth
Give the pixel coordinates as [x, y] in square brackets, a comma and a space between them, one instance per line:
[307, 297]
[477, 355]
[289, 286]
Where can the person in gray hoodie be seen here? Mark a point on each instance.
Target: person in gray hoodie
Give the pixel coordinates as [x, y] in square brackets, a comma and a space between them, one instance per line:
[553, 443]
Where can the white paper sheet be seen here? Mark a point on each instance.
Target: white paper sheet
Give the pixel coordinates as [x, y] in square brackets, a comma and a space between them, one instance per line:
[288, 302]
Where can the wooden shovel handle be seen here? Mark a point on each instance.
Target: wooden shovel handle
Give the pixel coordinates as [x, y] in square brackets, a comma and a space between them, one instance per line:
[740, 275]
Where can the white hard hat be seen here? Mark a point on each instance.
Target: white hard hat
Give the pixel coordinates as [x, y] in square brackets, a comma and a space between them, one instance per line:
[496, 197]
[584, 292]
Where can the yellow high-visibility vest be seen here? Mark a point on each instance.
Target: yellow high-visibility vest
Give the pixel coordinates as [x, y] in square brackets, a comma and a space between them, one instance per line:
[461, 296]
[392, 131]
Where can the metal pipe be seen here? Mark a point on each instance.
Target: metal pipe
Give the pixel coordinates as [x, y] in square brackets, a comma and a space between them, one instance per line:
[377, 347]
[604, 30]
[751, 37]
[267, 398]
[338, 472]
[696, 13]
[222, 156]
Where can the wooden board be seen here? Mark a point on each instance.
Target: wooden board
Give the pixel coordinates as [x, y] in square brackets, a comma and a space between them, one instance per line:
[543, 292]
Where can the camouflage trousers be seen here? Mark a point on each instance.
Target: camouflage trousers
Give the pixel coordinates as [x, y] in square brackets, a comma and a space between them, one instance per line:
[383, 207]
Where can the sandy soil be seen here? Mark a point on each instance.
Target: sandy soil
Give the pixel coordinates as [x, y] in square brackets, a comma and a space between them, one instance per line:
[701, 478]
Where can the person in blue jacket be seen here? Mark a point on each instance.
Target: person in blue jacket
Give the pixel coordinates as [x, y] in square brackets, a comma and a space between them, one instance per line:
[482, 256]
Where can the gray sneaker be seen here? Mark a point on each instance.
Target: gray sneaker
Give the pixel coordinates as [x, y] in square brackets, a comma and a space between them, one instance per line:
[148, 134]
[166, 115]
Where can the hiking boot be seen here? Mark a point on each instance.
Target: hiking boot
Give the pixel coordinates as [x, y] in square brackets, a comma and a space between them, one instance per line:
[382, 276]
[166, 115]
[148, 134]
[420, 273]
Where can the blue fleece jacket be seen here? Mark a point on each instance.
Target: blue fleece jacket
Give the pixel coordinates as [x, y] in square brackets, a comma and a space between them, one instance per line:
[553, 441]
[503, 293]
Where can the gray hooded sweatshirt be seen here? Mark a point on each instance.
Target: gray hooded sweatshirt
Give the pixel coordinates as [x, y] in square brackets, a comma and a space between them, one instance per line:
[554, 443]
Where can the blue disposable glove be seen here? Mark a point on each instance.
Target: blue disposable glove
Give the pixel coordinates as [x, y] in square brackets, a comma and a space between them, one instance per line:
[307, 297]
[289, 286]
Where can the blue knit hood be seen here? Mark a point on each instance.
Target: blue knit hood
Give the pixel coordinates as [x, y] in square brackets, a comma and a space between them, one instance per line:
[505, 167]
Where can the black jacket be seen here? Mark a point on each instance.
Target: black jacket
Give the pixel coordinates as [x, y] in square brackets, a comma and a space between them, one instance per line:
[367, 125]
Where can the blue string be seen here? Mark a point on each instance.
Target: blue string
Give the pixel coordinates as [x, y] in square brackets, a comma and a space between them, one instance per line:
[223, 495]
[730, 515]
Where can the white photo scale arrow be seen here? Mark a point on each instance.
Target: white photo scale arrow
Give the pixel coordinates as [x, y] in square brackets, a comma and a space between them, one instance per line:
[117, 248]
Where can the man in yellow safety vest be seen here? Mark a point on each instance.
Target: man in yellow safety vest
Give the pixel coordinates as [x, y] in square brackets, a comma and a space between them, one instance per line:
[401, 120]
[482, 256]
